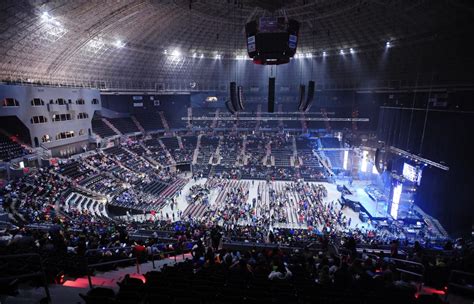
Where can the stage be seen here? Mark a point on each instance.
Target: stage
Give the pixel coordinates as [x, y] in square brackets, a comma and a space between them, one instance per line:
[375, 210]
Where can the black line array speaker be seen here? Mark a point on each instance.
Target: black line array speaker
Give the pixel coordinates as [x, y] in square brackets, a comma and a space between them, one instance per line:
[240, 97]
[230, 107]
[271, 94]
[301, 99]
[233, 96]
[310, 96]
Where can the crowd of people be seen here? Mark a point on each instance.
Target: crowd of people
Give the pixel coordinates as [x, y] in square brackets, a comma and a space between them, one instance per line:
[292, 213]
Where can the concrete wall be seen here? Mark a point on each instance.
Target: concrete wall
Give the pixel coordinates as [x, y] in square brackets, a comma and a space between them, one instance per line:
[24, 95]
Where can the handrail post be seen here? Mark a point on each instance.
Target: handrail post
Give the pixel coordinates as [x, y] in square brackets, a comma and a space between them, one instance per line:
[138, 265]
[89, 279]
[46, 288]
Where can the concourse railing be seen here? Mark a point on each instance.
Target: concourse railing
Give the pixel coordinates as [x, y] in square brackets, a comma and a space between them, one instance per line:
[91, 267]
[411, 269]
[130, 256]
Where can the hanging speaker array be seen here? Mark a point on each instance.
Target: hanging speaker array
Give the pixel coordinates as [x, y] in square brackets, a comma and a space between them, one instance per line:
[271, 94]
[236, 98]
[230, 107]
[304, 104]
[310, 96]
[240, 97]
[301, 99]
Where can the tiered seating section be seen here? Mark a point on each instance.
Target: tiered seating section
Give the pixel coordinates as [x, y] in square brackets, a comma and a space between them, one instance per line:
[310, 167]
[158, 153]
[189, 145]
[150, 121]
[282, 150]
[125, 125]
[10, 149]
[202, 124]
[102, 129]
[335, 157]
[256, 152]
[207, 150]
[173, 115]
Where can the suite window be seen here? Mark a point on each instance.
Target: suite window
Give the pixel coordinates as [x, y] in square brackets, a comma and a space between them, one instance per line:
[61, 117]
[37, 102]
[61, 101]
[10, 102]
[38, 119]
[80, 101]
[95, 101]
[64, 135]
[82, 115]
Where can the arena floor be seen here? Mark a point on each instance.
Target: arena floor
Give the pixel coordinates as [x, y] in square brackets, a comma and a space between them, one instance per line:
[182, 204]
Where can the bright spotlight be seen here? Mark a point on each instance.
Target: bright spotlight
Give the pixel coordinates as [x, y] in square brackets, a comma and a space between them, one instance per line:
[202, 55]
[119, 44]
[388, 44]
[363, 166]
[351, 50]
[309, 55]
[341, 52]
[346, 159]
[194, 55]
[166, 52]
[176, 53]
[324, 54]
[46, 16]
[397, 193]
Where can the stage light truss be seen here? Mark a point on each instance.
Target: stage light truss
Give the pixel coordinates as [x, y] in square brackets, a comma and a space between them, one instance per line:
[288, 113]
[278, 113]
[417, 158]
[260, 118]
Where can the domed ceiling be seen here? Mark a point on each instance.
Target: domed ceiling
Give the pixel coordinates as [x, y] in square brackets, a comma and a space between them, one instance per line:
[127, 44]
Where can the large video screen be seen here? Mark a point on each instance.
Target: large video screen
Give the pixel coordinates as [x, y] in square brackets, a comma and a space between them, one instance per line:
[412, 173]
[272, 25]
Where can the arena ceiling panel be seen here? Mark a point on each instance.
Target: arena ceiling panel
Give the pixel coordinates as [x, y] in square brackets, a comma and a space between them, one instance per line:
[130, 43]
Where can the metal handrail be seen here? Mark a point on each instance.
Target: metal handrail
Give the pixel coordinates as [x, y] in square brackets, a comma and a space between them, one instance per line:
[40, 273]
[416, 274]
[91, 266]
[153, 255]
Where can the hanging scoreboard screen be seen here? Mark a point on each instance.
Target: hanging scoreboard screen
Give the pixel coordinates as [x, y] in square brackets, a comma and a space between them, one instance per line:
[272, 40]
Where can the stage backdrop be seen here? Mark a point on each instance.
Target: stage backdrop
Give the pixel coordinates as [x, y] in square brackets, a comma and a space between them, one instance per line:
[448, 134]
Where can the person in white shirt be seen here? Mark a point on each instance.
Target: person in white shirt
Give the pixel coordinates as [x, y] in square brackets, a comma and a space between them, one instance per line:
[280, 272]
